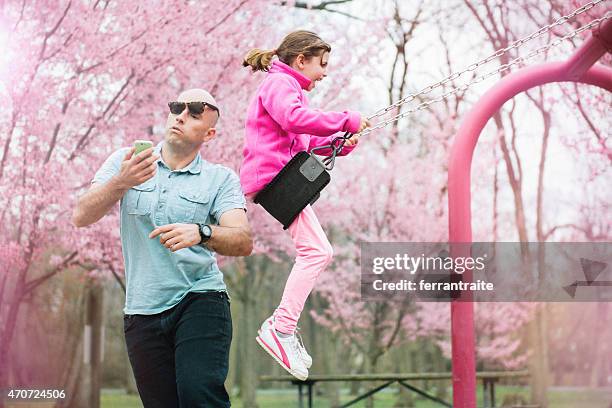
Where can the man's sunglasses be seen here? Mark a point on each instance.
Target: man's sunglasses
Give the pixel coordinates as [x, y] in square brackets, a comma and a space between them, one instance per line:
[195, 108]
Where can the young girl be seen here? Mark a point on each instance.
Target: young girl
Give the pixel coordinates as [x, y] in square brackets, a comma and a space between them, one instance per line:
[279, 124]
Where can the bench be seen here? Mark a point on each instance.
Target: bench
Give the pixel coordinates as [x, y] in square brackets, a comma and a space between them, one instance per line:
[489, 378]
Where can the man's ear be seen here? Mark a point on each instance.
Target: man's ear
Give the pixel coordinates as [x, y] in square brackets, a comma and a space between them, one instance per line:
[210, 134]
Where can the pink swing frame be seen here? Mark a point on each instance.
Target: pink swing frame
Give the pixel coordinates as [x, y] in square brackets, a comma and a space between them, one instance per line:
[578, 68]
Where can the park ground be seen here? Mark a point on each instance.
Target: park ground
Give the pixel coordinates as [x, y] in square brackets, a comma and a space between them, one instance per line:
[562, 397]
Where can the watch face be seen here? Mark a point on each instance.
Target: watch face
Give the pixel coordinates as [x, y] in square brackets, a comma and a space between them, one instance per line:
[205, 232]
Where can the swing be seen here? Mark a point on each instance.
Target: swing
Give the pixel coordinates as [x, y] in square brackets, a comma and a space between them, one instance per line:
[301, 180]
[299, 183]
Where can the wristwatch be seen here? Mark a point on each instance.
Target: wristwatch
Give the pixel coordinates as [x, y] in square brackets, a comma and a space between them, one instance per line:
[205, 233]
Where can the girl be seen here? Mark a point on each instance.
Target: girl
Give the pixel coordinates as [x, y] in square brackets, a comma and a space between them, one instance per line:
[279, 124]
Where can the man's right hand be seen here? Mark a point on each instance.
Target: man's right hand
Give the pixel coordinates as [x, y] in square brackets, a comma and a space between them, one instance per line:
[137, 168]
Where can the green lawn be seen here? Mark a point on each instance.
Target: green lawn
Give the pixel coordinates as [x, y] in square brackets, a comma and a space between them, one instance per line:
[286, 399]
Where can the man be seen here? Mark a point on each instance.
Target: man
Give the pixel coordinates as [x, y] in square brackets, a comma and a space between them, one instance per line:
[176, 211]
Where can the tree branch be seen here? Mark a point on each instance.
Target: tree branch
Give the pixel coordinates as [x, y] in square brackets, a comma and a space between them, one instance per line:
[117, 277]
[56, 130]
[588, 120]
[218, 24]
[324, 6]
[17, 111]
[563, 226]
[83, 141]
[33, 284]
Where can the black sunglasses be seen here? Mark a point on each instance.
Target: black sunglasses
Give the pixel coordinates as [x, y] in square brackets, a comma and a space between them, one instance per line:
[195, 108]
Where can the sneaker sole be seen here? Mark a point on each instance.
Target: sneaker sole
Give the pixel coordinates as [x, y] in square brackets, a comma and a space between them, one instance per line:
[305, 363]
[268, 350]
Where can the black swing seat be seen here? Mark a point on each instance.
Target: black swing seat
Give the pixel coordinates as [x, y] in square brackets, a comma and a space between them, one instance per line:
[299, 183]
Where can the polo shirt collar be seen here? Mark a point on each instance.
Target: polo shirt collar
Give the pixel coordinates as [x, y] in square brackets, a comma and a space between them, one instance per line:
[194, 167]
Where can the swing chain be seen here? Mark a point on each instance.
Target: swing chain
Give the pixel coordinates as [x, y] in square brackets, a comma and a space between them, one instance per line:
[337, 143]
[496, 54]
[481, 78]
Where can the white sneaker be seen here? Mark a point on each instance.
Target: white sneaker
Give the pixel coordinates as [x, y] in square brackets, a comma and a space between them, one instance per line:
[305, 356]
[285, 350]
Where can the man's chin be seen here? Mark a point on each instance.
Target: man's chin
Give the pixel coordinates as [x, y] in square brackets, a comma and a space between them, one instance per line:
[173, 137]
[178, 142]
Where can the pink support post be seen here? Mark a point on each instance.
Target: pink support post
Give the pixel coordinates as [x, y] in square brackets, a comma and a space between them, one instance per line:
[578, 68]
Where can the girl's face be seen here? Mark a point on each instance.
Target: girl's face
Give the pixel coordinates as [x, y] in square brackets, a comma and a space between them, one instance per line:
[314, 68]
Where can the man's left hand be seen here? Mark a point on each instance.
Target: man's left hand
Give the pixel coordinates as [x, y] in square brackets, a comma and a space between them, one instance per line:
[177, 236]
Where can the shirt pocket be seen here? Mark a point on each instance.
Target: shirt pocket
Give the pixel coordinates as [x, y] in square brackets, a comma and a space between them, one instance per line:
[140, 199]
[192, 206]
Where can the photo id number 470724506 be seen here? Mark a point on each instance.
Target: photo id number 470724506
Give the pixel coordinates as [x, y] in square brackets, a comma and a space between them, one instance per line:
[34, 394]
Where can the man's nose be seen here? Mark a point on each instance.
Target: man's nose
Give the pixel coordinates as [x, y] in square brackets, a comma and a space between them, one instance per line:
[180, 118]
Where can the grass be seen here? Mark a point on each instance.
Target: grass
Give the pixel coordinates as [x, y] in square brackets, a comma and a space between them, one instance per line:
[561, 398]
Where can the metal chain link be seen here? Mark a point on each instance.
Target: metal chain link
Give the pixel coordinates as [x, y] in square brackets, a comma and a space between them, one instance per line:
[496, 54]
[481, 78]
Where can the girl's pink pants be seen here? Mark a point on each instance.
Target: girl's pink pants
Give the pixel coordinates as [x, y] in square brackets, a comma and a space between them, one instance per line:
[314, 253]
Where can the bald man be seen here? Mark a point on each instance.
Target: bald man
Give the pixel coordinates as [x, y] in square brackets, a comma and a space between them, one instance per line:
[176, 210]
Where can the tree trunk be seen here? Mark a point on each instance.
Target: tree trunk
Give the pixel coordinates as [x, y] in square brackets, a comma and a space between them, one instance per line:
[440, 367]
[92, 345]
[240, 342]
[331, 360]
[540, 330]
[6, 333]
[601, 347]
[73, 348]
[73, 384]
[403, 363]
[249, 380]
[329, 350]
[355, 386]
[249, 296]
[371, 369]
[539, 360]
[232, 379]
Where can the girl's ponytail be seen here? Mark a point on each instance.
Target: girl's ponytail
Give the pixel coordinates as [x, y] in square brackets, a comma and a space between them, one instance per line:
[295, 43]
[258, 60]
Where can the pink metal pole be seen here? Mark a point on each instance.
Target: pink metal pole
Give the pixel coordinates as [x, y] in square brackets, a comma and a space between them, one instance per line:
[578, 68]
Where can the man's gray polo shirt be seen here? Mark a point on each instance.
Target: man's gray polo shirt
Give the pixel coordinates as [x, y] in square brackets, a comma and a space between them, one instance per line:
[157, 279]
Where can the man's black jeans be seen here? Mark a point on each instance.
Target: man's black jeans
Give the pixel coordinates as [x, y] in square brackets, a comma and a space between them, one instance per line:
[180, 356]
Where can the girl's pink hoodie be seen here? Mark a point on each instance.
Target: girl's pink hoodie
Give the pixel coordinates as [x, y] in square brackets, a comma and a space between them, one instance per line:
[279, 124]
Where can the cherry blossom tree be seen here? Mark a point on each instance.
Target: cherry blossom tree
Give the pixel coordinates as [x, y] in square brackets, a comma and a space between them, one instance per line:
[80, 79]
[500, 344]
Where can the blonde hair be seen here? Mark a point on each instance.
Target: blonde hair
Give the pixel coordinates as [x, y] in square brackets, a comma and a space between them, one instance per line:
[298, 42]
